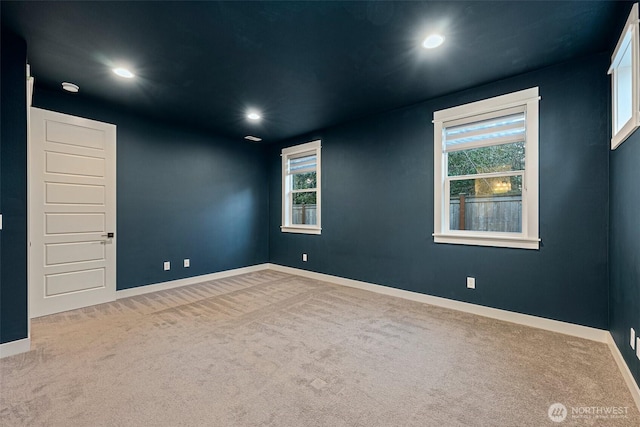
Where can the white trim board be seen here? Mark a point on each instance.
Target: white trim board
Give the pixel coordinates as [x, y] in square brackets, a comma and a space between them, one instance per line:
[163, 286]
[624, 370]
[12, 348]
[24, 345]
[593, 334]
[585, 332]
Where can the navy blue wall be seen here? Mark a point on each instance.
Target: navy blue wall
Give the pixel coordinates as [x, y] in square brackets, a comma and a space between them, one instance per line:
[624, 244]
[180, 194]
[377, 201]
[13, 189]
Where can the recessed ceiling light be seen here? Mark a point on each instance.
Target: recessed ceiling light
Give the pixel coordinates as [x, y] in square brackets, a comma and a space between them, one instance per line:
[70, 87]
[433, 41]
[253, 138]
[123, 72]
[254, 115]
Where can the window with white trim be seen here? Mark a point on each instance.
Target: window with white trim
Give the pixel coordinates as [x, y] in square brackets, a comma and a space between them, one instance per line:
[625, 74]
[486, 172]
[301, 199]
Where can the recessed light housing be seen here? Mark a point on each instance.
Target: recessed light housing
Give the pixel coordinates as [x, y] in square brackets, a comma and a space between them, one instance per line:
[254, 116]
[253, 138]
[70, 87]
[123, 72]
[433, 41]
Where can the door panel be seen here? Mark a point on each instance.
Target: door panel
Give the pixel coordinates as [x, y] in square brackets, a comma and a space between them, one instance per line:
[64, 253]
[74, 194]
[67, 223]
[71, 208]
[65, 133]
[74, 281]
[67, 164]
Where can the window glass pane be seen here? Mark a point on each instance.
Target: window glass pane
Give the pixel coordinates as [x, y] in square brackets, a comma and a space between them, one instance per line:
[623, 75]
[496, 158]
[304, 208]
[486, 204]
[303, 181]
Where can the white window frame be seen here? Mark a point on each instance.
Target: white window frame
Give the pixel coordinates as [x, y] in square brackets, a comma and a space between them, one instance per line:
[527, 239]
[313, 147]
[629, 39]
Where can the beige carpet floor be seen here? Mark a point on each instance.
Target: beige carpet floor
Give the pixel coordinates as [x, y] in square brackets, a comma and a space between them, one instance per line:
[271, 349]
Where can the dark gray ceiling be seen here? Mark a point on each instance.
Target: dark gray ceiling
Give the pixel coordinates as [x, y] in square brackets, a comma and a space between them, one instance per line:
[306, 65]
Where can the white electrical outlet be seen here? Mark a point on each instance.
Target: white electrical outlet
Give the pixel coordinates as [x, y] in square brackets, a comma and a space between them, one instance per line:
[167, 266]
[304, 257]
[632, 340]
[471, 282]
[187, 263]
[638, 347]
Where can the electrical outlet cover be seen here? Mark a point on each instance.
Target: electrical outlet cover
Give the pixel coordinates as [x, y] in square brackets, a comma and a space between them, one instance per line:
[167, 265]
[187, 262]
[632, 341]
[471, 282]
[638, 347]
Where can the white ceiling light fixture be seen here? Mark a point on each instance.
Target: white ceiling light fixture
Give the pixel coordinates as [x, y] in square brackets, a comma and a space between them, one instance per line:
[432, 41]
[70, 87]
[254, 116]
[123, 72]
[253, 138]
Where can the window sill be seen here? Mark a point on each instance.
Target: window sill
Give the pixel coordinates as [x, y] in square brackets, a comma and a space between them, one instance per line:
[489, 240]
[301, 230]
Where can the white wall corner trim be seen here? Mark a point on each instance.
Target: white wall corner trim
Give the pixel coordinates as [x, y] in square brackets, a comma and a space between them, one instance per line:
[624, 370]
[593, 334]
[141, 290]
[12, 348]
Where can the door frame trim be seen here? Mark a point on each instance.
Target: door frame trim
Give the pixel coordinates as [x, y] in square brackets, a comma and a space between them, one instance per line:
[30, 88]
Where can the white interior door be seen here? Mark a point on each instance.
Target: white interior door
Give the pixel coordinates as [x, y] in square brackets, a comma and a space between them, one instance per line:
[72, 212]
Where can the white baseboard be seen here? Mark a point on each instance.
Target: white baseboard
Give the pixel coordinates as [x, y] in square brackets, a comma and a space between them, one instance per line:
[593, 334]
[140, 290]
[624, 370]
[585, 332]
[15, 347]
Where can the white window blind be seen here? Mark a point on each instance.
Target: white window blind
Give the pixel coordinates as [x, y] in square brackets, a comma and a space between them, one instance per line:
[303, 164]
[503, 129]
